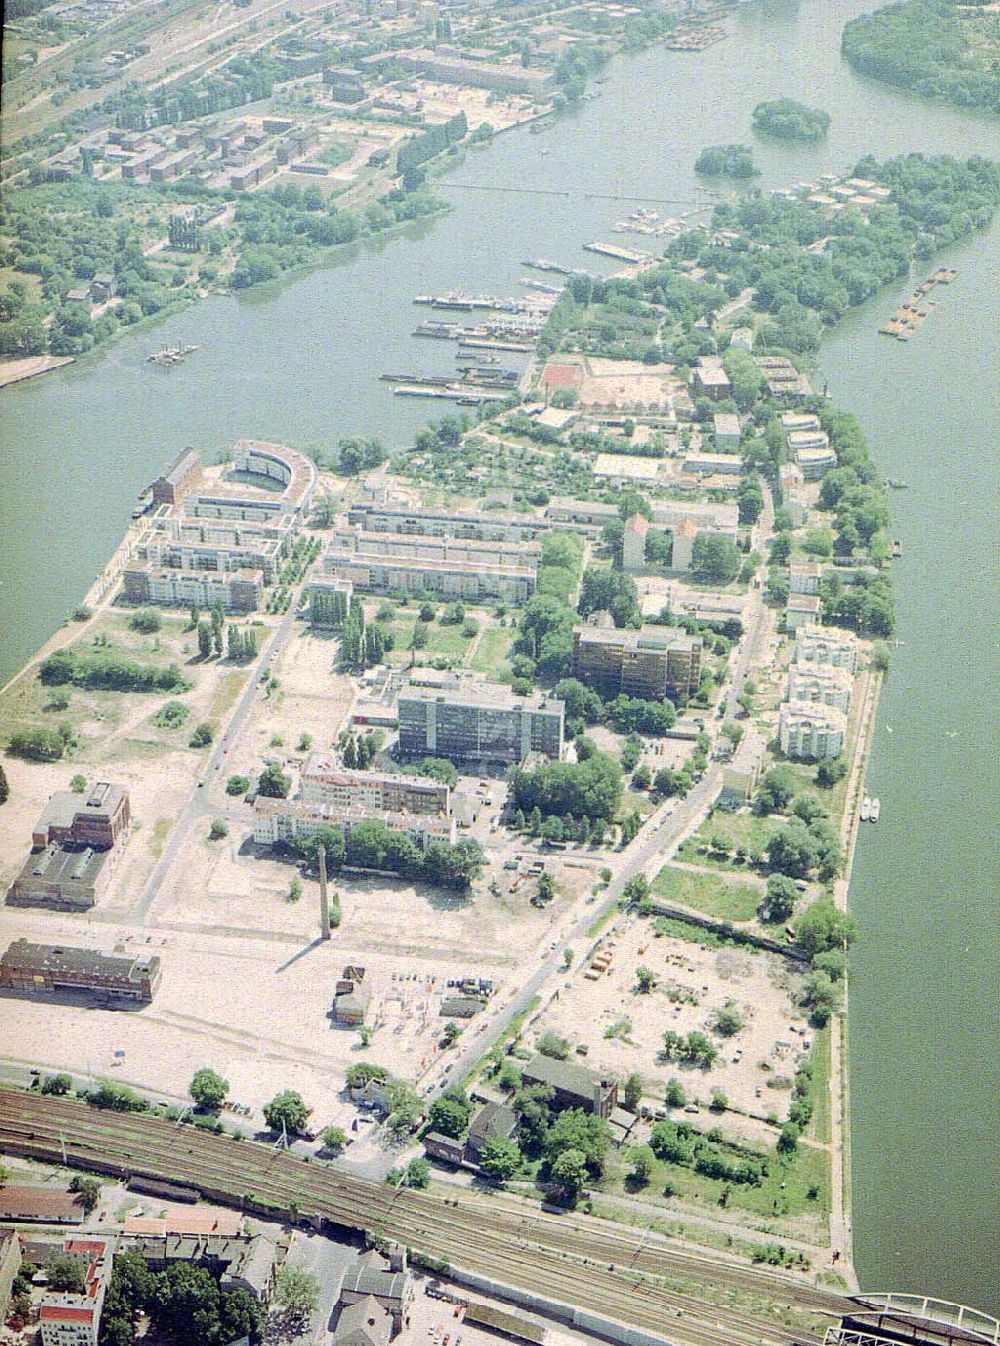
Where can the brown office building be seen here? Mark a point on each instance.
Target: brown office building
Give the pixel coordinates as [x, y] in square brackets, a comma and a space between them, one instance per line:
[35, 969]
[652, 663]
[179, 478]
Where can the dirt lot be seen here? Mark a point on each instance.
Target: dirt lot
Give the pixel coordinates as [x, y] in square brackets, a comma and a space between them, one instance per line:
[119, 740]
[625, 383]
[692, 984]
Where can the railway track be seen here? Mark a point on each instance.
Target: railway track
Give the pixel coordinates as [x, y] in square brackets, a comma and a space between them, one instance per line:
[623, 1275]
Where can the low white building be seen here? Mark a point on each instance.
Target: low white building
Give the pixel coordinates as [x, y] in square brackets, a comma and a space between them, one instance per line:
[821, 683]
[826, 645]
[810, 730]
[288, 819]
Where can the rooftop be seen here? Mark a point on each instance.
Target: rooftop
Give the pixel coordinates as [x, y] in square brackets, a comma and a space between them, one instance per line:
[30, 1201]
[62, 863]
[24, 956]
[482, 695]
[646, 638]
[806, 713]
[564, 1075]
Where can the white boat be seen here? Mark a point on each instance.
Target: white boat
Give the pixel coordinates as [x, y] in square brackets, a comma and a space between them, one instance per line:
[876, 809]
[866, 809]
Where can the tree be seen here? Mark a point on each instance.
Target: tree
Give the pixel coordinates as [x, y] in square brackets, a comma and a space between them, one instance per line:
[451, 1033]
[218, 829]
[500, 1159]
[642, 777]
[296, 1291]
[551, 1044]
[715, 559]
[643, 1162]
[334, 1139]
[4, 787]
[582, 1131]
[778, 901]
[821, 995]
[823, 926]
[645, 979]
[237, 785]
[775, 791]
[57, 1085]
[569, 1171]
[286, 1112]
[273, 783]
[632, 1093]
[728, 1020]
[636, 890]
[545, 888]
[676, 1095]
[792, 850]
[88, 1191]
[65, 1273]
[830, 771]
[201, 735]
[808, 808]
[788, 1138]
[204, 640]
[208, 1089]
[449, 1116]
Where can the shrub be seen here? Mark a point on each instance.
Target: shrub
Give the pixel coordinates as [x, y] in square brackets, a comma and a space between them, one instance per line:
[146, 620]
[218, 829]
[36, 744]
[202, 735]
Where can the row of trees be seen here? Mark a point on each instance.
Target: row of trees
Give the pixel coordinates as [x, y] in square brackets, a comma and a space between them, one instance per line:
[104, 670]
[371, 845]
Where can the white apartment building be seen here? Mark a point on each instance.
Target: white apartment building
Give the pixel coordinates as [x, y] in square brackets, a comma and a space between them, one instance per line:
[820, 683]
[810, 730]
[826, 645]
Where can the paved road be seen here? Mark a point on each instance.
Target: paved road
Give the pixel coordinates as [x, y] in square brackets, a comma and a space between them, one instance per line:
[199, 804]
[659, 836]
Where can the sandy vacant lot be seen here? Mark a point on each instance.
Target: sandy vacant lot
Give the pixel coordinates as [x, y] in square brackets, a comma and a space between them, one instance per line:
[692, 984]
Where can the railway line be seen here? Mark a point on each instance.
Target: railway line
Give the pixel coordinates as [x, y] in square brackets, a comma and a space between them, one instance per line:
[625, 1275]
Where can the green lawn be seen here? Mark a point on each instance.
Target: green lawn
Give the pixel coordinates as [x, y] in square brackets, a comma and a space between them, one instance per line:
[741, 829]
[709, 893]
[491, 656]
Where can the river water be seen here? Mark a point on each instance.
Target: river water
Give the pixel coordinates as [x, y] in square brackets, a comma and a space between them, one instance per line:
[299, 361]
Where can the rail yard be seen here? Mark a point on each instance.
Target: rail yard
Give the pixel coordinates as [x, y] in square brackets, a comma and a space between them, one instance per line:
[626, 1276]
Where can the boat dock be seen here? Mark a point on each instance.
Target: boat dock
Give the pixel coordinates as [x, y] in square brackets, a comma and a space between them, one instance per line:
[630, 255]
[170, 355]
[908, 317]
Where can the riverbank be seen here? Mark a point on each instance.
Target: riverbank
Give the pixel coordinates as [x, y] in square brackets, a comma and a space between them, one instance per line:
[30, 367]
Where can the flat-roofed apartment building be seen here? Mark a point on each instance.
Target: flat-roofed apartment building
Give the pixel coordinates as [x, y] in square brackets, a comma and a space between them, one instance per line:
[492, 526]
[478, 722]
[825, 683]
[651, 663]
[810, 729]
[326, 781]
[590, 516]
[38, 968]
[449, 568]
[184, 543]
[236, 590]
[826, 645]
[292, 819]
[71, 1319]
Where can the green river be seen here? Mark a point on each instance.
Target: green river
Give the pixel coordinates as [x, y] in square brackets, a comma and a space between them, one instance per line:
[300, 361]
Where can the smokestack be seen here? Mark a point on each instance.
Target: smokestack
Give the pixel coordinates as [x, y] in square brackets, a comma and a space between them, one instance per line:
[324, 908]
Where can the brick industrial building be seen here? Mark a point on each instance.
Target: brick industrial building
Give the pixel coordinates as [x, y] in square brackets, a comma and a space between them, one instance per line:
[478, 722]
[651, 663]
[34, 969]
[75, 843]
[574, 1086]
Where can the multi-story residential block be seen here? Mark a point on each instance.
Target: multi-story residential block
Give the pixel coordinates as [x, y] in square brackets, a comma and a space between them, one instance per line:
[810, 730]
[804, 577]
[326, 781]
[815, 460]
[802, 610]
[70, 1319]
[479, 74]
[726, 427]
[709, 379]
[701, 464]
[386, 563]
[236, 590]
[493, 526]
[826, 645]
[38, 968]
[182, 543]
[652, 663]
[824, 683]
[634, 542]
[290, 819]
[478, 722]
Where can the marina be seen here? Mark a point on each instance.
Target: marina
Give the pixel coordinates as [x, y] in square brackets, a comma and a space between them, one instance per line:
[619, 254]
[905, 322]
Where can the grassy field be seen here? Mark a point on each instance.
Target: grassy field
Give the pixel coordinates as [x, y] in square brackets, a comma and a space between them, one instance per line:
[740, 829]
[709, 893]
[491, 656]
